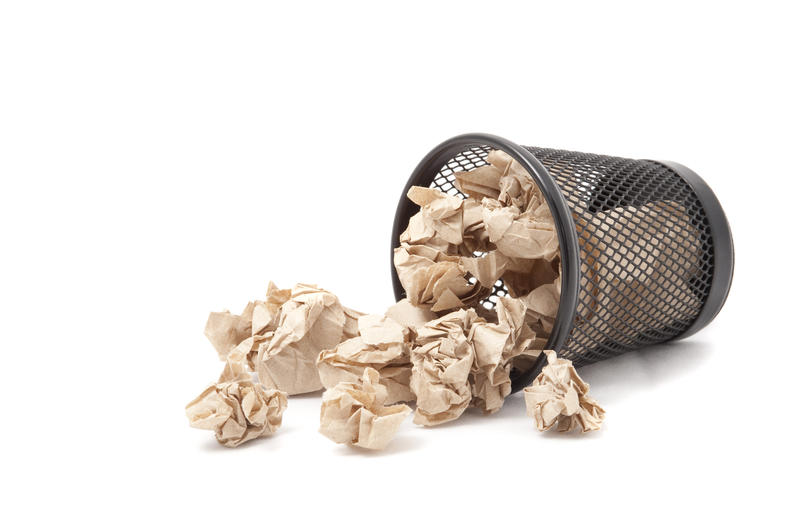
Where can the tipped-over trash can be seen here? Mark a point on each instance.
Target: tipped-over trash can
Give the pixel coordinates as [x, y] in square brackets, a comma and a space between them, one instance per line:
[646, 251]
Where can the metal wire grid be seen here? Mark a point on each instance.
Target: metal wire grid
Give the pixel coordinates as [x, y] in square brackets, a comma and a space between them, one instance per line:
[646, 254]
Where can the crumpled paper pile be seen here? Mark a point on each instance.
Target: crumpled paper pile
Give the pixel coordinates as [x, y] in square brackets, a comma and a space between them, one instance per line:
[276, 341]
[455, 250]
[382, 345]
[439, 347]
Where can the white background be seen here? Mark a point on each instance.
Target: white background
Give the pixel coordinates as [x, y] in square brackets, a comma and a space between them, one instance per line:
[160, 160]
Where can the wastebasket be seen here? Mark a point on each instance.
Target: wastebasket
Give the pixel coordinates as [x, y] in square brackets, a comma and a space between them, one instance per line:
[646, 250]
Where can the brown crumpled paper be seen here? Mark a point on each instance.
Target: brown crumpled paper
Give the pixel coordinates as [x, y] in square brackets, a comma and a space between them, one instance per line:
[559, 396]
[506, 231]
[238, 337]
[226, 330]
[355, 413]
[408, 315]
[434, 279]
[542, 304]
[236, 408]
[383, 345]
[461, 359]
[515, 216]
[520, 234]
[247, 350]
[496, 345]
[441, 213]
[454, 250]
[442, 359]
[310, 321]
[427, 260]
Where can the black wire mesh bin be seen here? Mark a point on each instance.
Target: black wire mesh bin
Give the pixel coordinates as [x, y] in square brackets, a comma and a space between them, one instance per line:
[646, 250]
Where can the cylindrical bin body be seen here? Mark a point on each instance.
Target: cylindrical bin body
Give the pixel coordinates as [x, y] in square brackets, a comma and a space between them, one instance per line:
[646, 250]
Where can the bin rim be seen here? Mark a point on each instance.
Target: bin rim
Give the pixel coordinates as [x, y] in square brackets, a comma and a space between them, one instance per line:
[566, 231]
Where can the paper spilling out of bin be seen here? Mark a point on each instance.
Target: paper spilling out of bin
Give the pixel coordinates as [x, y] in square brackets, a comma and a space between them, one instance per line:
[444, 347]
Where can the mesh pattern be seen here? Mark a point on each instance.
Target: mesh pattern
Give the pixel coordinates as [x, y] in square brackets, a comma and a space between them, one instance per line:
[646, 250]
